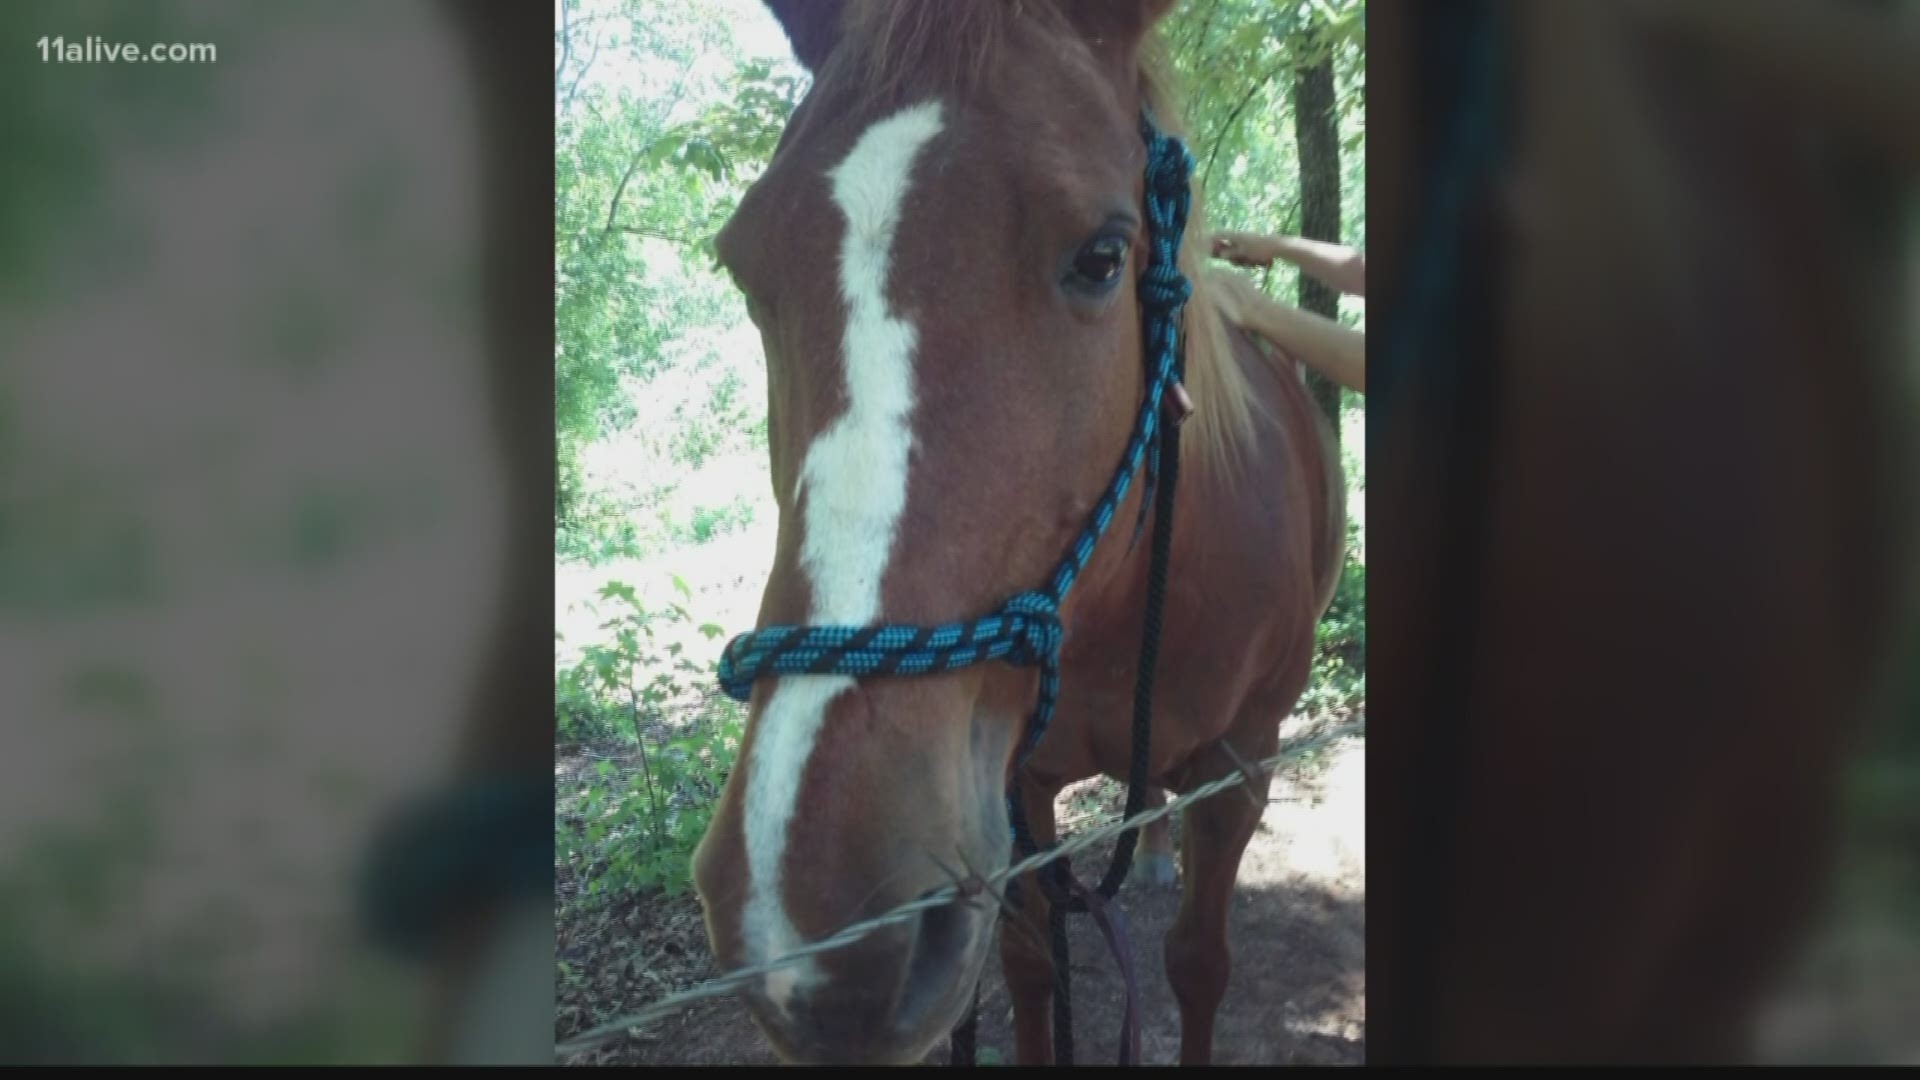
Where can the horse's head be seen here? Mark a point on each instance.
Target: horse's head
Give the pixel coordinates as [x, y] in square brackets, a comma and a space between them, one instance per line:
[941, 259]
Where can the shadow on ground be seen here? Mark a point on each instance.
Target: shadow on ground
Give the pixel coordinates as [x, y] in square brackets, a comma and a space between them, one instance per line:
[1297, 932]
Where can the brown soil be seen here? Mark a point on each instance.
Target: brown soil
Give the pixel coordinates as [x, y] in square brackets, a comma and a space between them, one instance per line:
[1298, 933]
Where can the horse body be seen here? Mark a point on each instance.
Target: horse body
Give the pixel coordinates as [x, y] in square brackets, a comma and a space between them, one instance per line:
[1248, 584]
[941, 260]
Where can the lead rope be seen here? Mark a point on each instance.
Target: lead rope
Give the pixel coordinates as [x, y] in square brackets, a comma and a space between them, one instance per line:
[960, 1052]
[1163, 292]
[1026, 631]
[1065, 894]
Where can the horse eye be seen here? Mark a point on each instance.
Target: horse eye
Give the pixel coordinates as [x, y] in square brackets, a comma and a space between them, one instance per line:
[1100, 262]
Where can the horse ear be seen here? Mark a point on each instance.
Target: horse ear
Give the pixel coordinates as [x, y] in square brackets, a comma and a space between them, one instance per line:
[1121, 22]
[812, 26]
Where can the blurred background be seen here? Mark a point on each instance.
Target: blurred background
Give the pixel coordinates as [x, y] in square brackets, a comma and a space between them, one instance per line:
[1646, 374]
[251, 507]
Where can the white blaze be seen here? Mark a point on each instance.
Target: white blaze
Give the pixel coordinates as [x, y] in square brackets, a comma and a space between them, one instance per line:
[855, 485]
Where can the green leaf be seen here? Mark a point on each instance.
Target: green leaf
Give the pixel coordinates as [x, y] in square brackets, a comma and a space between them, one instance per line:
[680, 584]
[661, 148]
[711, 630]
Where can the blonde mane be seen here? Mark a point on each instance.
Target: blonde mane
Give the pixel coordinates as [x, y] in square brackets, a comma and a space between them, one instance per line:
[955, 45]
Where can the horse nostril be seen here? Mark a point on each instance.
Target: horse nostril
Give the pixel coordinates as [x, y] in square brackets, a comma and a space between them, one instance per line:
[939, 950]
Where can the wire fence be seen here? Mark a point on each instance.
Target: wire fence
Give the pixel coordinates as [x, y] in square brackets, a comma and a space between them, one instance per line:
[961, 892]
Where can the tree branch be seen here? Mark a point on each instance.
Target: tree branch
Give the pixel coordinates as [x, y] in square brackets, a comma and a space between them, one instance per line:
[658, 235]
[582, 77]
[613, 204]
[1197, 44]
[1234, 117]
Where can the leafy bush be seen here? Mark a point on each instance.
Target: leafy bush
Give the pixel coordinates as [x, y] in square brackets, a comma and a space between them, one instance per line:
[634, 824]
[597, 530]
[711, 521]
[1339, 677]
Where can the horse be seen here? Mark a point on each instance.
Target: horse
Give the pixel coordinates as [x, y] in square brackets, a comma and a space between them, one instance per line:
[1645, 449]
[939, 258]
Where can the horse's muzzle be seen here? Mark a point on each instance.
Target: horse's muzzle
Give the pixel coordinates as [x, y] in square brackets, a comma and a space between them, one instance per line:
[889, 998]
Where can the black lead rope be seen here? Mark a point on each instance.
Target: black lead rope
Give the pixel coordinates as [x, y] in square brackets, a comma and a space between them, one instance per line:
[1064, 894]
[1167, 200]
[961, 1052]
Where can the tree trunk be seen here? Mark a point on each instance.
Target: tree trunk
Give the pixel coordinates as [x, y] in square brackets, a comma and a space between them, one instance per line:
[1316, 125]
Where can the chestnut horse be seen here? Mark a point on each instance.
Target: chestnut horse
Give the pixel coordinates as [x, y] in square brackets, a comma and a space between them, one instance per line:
[935, 258]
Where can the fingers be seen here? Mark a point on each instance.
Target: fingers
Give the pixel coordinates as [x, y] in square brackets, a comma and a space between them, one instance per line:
[1233, 247]
[1239, 257]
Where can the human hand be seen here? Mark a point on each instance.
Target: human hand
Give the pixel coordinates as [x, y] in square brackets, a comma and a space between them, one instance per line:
[1244, 249]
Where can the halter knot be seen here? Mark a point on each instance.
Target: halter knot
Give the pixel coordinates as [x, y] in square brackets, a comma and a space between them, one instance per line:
[1169, 164]
[1163, 287]
[1036, 628]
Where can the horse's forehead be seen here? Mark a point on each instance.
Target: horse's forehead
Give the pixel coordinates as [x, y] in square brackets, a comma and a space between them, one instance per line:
[793, 203]
[1057, 138]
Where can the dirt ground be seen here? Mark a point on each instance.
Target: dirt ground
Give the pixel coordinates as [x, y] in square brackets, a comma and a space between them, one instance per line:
[1298, 934]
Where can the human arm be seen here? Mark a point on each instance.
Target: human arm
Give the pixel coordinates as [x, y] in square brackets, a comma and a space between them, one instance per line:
[1342, 268]
[1334, 351]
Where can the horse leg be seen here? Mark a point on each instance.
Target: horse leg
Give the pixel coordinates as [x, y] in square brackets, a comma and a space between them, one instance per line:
[1026, 957]
[1153, 860]
[1217, 832]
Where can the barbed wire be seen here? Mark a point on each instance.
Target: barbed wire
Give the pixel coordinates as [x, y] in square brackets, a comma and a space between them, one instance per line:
[964, 892]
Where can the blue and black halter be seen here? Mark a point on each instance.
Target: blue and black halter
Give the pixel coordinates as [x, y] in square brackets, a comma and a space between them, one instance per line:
[1026, 630]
